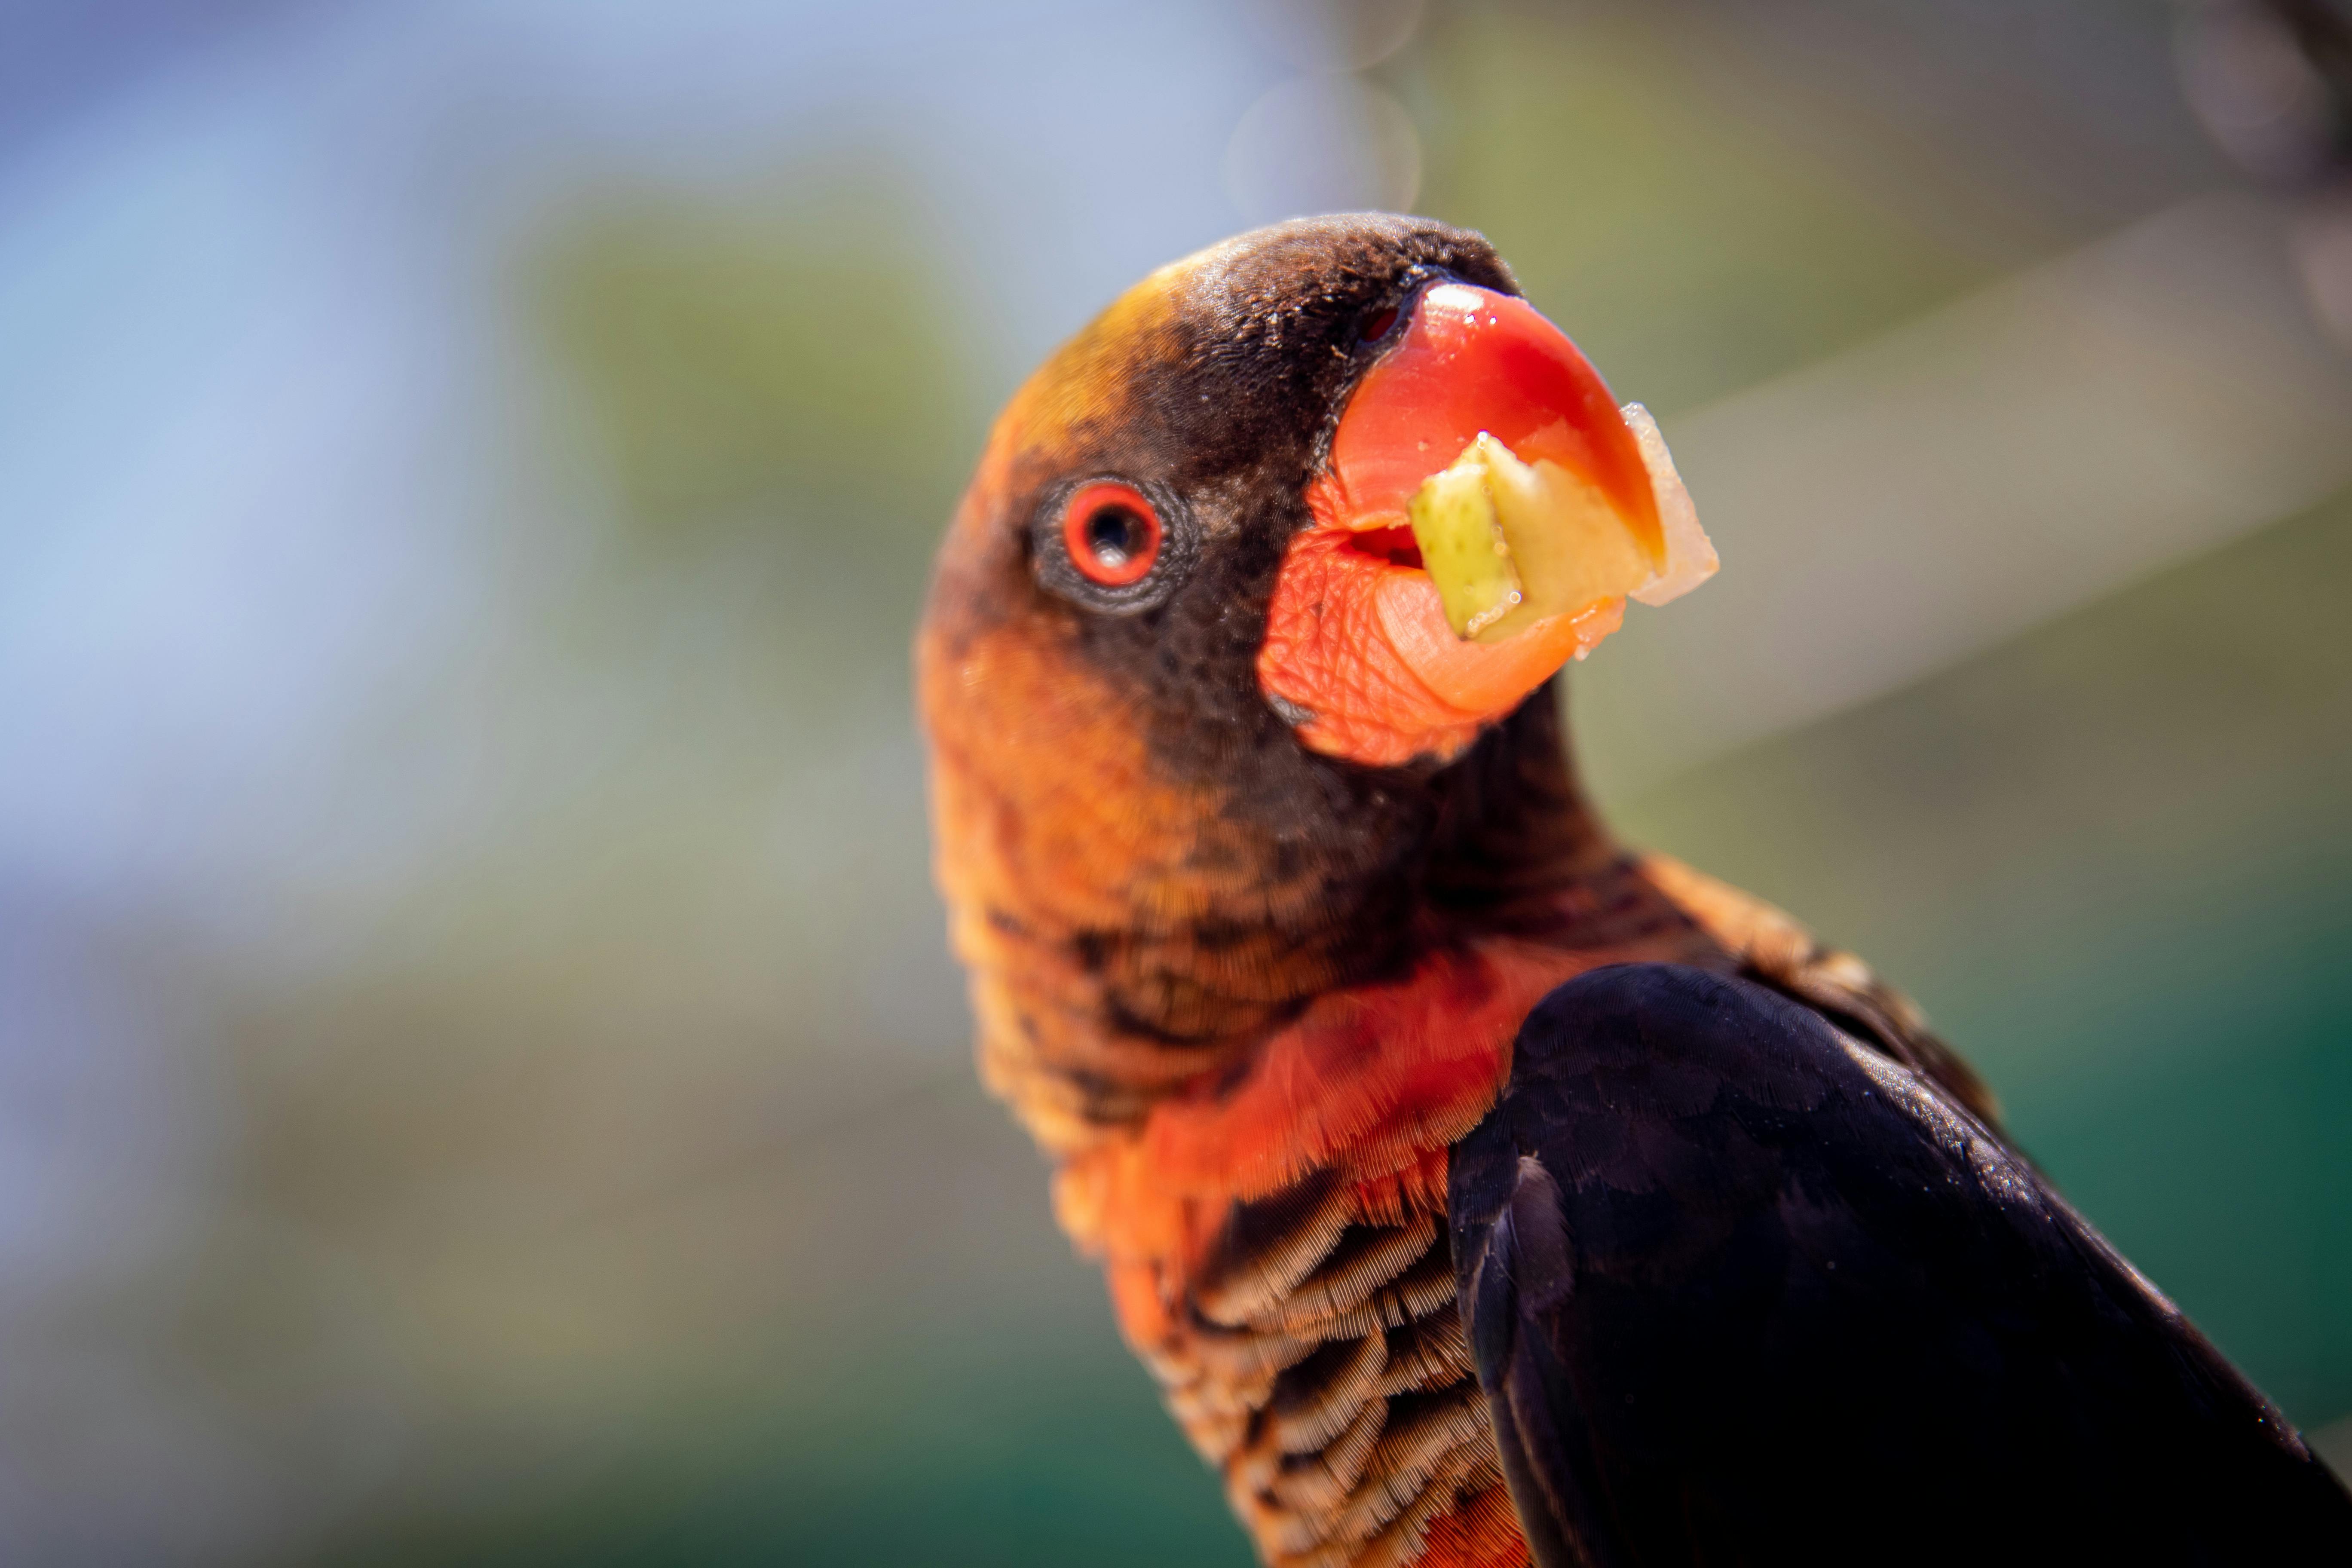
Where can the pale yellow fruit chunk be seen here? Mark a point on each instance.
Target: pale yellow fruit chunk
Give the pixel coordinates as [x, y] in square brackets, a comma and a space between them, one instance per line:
[1690, 555]
[1460, 533]
[1552, 544]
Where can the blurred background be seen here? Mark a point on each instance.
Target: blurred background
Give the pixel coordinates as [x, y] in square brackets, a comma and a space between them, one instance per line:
[480, 1077]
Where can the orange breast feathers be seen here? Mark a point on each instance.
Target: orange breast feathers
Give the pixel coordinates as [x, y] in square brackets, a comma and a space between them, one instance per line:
[1372, 1084]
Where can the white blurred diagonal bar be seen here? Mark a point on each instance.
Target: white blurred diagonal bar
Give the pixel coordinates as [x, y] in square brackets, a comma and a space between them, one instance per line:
[1969, 475]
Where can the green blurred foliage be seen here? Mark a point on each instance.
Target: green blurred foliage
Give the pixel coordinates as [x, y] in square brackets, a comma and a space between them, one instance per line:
[788, 350]
[781, 392]
[1688, 250]
[1043, 1456]
[874, 1347]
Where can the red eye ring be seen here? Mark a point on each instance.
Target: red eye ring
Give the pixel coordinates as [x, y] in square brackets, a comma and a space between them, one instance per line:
[1112, 533]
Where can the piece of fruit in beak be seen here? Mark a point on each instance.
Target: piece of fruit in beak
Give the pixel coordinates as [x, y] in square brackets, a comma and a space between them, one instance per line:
[1510, 543]
[1484, 511]
[1690, 557]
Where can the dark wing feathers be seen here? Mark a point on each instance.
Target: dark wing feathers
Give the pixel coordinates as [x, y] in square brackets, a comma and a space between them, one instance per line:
[1741, 1290]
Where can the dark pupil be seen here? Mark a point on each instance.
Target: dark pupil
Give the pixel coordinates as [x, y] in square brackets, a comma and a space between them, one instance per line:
[1115, 535]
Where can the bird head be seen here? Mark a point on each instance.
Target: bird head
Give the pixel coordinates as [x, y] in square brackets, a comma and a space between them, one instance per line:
[1251, 572]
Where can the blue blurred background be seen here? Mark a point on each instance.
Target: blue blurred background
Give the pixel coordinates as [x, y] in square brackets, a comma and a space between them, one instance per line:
[481, 1078]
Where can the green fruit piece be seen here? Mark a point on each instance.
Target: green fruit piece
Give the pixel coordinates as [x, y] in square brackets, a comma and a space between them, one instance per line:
[1462, 548]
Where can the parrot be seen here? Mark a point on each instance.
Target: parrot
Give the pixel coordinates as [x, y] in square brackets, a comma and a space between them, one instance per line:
[1477, 1191]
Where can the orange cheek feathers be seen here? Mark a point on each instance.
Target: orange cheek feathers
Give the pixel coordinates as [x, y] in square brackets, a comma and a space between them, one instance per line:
[1362, 645]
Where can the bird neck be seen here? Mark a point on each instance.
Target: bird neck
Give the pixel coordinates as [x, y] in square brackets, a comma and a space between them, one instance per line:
[1106, 980]
[1515, 841]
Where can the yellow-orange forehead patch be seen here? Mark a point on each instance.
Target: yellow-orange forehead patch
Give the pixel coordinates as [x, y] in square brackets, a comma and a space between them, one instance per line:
[1088, 378]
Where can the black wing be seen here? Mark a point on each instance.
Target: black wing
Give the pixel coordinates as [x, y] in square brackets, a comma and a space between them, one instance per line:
[1741, 1290]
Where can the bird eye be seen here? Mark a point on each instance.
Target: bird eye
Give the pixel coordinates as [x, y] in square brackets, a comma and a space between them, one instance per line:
[1113, 546]
[1112, 533]
[1376, 325]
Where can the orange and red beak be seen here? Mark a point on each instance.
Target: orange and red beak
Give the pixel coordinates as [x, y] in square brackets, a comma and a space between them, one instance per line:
[1382, 657]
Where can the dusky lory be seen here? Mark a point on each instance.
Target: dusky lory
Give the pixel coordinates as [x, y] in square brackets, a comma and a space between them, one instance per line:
[1479, 1191]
